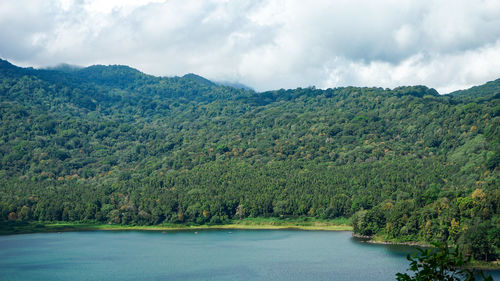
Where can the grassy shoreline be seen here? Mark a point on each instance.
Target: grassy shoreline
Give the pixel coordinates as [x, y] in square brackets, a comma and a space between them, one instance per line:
[250, 223]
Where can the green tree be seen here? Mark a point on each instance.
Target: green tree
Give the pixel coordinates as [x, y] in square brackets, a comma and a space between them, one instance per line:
[439, 263]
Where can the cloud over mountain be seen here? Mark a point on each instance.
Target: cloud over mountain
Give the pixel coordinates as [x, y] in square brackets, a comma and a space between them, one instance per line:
[265, 44]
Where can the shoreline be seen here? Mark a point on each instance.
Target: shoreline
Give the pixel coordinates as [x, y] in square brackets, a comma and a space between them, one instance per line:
[51, 227]
[477, 265]
[381, 241]
[229, 227]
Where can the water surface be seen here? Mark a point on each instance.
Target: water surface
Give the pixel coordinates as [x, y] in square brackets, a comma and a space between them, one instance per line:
[208, 255]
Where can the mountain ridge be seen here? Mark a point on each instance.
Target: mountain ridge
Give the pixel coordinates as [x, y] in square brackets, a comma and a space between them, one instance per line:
[124, 71]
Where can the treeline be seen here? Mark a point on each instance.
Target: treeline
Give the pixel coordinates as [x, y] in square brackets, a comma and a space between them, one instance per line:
[111, 144]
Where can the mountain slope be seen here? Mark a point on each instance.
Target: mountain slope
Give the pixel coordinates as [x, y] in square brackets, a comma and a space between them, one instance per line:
[488, 90]
[111, 144]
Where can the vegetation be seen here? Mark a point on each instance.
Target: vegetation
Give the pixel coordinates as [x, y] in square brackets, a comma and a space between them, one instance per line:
[16, 227]
[109, 144]
[440, 263]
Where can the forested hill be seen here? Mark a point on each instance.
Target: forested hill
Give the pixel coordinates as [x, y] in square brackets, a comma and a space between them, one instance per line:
[112, 144]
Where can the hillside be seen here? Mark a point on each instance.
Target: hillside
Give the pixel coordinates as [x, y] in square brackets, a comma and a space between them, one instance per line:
[112, 144]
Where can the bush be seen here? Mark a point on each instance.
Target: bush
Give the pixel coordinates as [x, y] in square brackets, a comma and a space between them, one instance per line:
[439, 263]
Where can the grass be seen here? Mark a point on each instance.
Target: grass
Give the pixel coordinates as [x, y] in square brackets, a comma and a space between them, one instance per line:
[342, 224]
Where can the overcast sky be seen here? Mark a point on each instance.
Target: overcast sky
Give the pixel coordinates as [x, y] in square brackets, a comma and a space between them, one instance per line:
[444, 44]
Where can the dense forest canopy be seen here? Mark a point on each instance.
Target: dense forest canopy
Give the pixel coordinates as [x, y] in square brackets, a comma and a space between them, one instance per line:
[112, 144]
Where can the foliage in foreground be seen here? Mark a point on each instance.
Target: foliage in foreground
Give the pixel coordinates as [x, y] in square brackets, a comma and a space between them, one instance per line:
[440, 263]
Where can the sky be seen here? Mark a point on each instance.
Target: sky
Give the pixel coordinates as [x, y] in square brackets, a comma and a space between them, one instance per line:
[265, 44]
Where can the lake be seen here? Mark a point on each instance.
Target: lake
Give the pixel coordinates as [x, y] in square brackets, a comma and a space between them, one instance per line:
[207, 255]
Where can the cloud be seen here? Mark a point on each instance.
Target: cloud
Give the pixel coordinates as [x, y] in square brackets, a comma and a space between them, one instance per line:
[266, 44]
[445, 72]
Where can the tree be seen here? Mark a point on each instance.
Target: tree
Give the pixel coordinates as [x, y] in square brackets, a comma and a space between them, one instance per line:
[439, 263]
[240, 211]
[478, 244]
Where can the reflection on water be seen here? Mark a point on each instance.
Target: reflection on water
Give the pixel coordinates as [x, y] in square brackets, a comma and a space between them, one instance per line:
[399, 250]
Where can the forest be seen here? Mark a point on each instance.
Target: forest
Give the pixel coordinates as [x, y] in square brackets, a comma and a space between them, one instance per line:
[111, 144]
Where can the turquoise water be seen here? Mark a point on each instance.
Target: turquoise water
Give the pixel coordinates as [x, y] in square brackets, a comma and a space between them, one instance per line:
[208, 255]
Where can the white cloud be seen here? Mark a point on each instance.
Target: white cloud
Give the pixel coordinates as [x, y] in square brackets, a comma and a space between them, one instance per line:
[266, 44]
[445, 72]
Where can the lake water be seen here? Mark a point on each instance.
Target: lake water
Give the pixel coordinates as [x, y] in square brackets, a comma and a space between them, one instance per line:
[208, 255]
